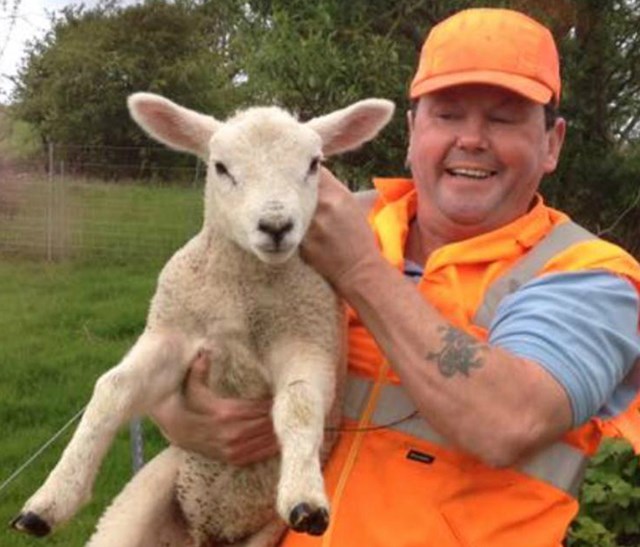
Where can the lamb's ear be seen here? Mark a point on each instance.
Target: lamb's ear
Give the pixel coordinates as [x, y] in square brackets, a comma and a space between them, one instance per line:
[350, 127]
[172, 124]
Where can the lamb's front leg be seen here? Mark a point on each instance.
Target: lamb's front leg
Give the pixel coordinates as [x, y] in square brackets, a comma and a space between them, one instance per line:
[304, 380]
[152, 369]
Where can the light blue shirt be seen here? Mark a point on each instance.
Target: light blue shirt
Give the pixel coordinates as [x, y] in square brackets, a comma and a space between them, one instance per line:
[582, 327]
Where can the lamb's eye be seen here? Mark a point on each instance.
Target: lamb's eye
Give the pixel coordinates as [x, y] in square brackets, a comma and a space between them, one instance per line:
[313, 166]
[221, 169]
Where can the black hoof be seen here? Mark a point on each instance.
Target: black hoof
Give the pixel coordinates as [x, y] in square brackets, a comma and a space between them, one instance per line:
[313, 522]
[31, 524]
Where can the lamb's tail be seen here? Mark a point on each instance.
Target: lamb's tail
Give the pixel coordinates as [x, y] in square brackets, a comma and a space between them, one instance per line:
[145, 513]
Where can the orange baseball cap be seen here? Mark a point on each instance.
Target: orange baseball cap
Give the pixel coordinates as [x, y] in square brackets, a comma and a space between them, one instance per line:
[490, 46]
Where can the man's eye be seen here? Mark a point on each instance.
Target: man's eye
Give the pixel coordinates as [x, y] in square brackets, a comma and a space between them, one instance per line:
[500, 119]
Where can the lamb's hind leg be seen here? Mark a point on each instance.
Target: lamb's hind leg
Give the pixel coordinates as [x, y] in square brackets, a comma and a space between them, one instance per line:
[151, 370]
[146, 513]
[304, 379]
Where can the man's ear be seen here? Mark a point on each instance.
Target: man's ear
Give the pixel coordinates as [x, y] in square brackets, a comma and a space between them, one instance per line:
[410, 118]
[555, 140]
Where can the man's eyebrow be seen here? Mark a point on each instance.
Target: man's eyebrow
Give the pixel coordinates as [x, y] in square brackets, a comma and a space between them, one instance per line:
[443, 100]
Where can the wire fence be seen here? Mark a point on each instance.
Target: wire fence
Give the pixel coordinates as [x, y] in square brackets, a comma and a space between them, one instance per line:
[100, 205]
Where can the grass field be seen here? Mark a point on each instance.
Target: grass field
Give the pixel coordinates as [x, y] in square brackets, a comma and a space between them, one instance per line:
[61, 326]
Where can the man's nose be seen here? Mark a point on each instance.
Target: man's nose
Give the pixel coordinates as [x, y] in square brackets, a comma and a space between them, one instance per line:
[472, 134]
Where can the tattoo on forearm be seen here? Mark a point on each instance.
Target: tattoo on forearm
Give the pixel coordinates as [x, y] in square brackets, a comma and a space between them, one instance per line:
[459, 352]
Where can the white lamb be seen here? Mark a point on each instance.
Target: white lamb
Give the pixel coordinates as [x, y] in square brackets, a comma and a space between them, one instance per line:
[240, 288]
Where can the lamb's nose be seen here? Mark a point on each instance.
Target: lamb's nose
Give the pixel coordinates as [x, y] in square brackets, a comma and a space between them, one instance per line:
[277, 229]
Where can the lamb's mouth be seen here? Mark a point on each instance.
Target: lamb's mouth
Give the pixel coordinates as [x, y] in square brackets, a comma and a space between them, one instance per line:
[478, 174]
[275, 251]
[276, 248]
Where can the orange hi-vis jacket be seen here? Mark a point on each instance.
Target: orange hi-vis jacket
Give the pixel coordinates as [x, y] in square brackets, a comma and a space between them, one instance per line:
[393, 481]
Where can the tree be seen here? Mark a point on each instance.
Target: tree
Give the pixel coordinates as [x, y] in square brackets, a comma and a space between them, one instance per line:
[74, 84]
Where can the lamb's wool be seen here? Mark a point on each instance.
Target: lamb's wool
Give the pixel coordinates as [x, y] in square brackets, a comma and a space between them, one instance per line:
[240, 288]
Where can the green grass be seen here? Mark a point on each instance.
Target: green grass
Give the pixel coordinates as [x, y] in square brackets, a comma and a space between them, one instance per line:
[62, 325]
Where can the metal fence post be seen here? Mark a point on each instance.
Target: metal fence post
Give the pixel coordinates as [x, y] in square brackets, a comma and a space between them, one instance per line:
[196, 176]
[59, 221]
[137, 444]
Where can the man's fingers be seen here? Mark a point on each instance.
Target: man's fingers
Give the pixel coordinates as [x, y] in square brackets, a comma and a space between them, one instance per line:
[166, 411]
[254, 450]
[231, 410]
[245, 431]
[198, 373]
[199, 398]
[216, 427]
[197, 395]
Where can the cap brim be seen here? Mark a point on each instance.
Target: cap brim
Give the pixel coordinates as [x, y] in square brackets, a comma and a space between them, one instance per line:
[526, 87]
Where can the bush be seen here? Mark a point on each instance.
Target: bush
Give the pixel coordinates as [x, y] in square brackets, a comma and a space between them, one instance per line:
[610, 499]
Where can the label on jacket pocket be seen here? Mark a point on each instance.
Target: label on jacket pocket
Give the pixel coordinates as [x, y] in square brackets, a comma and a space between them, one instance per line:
[421, 457]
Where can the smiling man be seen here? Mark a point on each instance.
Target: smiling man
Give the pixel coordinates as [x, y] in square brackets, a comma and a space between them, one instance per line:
[492, 341]
[481, 382]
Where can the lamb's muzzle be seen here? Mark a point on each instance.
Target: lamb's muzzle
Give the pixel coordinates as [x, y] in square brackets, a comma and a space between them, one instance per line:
[276, 229]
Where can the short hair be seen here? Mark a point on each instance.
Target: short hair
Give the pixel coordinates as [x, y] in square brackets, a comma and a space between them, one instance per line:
[551, 114]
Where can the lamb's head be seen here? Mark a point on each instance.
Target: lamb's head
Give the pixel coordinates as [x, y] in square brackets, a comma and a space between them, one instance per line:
[262, 164]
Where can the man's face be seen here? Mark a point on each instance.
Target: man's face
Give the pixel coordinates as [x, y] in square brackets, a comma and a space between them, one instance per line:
[478, 153]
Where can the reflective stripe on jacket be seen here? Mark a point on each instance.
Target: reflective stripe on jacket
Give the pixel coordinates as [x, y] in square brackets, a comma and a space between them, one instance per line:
[393, 480]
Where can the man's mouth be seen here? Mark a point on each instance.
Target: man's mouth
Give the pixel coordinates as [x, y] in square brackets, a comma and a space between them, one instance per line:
[472, 173]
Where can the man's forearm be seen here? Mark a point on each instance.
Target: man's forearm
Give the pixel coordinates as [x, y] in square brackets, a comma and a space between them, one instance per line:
[481, 398]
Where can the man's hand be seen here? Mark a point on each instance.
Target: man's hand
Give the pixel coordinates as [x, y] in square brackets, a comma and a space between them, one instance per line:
[236, 431]
[339, 238]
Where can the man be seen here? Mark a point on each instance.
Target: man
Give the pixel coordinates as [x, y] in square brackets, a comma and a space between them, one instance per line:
[479, 388]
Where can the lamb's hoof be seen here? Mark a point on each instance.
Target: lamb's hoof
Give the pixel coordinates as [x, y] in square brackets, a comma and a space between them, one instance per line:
[31, 524]
[304, 519]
